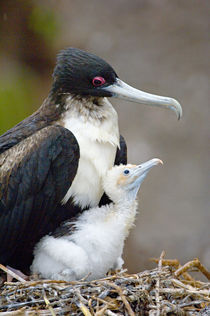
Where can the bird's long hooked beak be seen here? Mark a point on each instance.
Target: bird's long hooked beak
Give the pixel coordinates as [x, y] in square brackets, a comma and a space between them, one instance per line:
[123, 91]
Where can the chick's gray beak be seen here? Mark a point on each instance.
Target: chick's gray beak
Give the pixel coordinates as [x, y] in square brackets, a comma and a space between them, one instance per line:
[123, 91]
[146, 166]
[138, 175]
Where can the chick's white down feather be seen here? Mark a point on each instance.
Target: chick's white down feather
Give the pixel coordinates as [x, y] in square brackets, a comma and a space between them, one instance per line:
[96, 244]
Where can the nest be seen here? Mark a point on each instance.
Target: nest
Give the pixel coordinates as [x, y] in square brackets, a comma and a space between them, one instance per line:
[168, 289]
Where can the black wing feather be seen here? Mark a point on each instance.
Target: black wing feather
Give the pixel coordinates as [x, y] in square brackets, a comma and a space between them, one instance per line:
[121, 155]
[31, 190]
[25, 128]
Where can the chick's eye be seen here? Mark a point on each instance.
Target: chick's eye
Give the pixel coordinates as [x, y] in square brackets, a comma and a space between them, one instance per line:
[98, 81]
[126, 171]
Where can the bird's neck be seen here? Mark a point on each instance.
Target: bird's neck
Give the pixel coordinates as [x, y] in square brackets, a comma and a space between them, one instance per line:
[96, 115]
[125, 204]
[125, 212]
[119, 217]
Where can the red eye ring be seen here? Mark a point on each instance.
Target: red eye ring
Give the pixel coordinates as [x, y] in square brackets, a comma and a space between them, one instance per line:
[98, 81]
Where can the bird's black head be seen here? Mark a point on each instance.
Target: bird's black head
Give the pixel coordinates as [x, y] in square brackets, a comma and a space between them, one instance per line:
[84, 74]
[81, 73]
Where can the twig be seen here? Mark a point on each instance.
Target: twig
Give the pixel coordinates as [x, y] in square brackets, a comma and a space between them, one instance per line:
[157, 293]
[90, 306]
[190, 303]
[85, 277]
[120, 292]
[176, 264]
[19, 312]
[34, 283]
[84, 309]
[80, 297]
[102, 311]
[206, 293]
[167, 262]
[104, 302]
[48, 305]
[194, 263]
[13, 274]
[110, 313]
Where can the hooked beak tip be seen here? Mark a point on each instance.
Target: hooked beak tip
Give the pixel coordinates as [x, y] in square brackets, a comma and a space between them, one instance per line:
[159, 161]
[176, 107]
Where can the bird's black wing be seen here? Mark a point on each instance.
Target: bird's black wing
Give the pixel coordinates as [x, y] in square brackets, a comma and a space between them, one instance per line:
[24, 129]
[35, 175]
[121, 155]
[121, 158]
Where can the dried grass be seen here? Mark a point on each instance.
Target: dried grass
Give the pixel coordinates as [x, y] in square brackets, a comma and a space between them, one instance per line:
[168, 289]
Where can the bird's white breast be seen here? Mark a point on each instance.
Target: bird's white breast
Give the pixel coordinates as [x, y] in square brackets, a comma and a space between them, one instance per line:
[98, 139]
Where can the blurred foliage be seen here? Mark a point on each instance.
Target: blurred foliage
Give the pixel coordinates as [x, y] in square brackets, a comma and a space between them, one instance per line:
[27, 39]
[44, 23]
[17, 98]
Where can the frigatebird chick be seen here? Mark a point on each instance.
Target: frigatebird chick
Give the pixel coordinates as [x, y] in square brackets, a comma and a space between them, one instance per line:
[93, 243]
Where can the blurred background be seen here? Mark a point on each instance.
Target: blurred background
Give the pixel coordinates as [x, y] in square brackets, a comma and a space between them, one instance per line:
[159, 46]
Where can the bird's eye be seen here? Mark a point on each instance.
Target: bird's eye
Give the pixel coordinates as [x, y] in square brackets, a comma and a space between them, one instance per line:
[126, 171]
[98, 81]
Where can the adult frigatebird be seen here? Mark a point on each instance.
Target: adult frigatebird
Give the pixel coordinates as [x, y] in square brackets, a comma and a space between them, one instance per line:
[52, 163]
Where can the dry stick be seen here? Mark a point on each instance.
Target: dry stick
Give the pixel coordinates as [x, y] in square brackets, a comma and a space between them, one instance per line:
[181, 284]
[167, 262]
[195, 283]
[85, 277]
[97, 306]
[186, 291]
[191, 303]
[194, 263]
[28, 303]
[157, 293]
[48, 305]
[120, 292]
[104, 302]
[80, 297]
[176, 264]
[110, 313]
[19, 312]
[112, 277]
[102, 311]
[84, 309]
[34, 283]
[52, 300]
[90, 306]
[13, 274]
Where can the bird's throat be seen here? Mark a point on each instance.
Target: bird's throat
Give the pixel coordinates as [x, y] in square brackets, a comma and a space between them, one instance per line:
[97, 133]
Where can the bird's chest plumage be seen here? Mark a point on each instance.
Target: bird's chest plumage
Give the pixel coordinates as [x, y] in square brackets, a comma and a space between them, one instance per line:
[95, 159]
[98, 141]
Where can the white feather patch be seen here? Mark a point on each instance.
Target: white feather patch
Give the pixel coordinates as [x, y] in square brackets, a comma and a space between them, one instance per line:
[96, 130]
